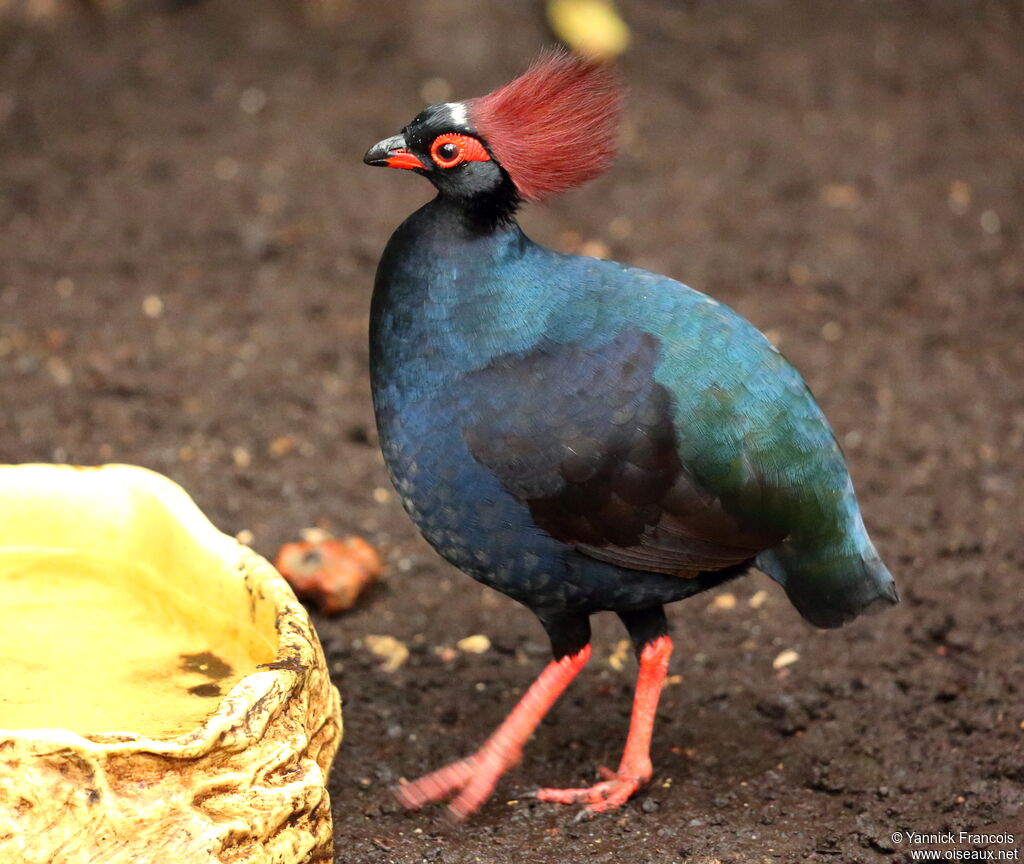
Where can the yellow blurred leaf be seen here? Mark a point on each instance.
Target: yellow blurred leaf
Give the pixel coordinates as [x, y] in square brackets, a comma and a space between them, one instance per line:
[477, 644]
[758, 599]
[617, 660]
[592, 28]
[389, 649]
[724, 601]
[785, 658]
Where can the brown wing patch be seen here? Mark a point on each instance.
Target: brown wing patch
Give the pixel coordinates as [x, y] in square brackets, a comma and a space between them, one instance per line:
[585, 438]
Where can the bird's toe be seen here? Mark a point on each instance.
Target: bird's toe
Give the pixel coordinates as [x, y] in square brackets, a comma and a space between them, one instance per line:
[470, 781]
[582, 795]
[489, 763]
[435, 786]
[606, 795]
[616, 793]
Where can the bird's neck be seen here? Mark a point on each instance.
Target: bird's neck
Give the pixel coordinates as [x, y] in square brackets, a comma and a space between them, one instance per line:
[451, 293]
[488, 210]
[479, 212]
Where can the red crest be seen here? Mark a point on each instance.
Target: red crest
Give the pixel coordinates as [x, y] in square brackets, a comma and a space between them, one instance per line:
[554, 127]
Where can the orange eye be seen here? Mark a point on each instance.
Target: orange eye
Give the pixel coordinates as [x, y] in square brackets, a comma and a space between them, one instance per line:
[450, 149]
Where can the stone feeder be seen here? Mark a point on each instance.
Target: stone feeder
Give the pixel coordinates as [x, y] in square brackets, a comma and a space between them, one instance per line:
[163, 696]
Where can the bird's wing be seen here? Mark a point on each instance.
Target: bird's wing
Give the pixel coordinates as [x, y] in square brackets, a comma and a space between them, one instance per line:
[584, 436]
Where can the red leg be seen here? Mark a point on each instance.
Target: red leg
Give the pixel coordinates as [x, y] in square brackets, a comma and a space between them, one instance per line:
[635, 768]
[474, 777]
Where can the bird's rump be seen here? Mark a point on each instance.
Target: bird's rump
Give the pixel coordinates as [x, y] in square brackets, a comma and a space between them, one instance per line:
[584, 436]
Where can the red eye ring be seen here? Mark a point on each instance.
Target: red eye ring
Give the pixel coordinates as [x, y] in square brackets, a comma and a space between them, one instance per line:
[467, 149]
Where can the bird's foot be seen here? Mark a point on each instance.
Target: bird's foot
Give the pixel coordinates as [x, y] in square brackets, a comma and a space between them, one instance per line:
[470, 780]
[614, 791]
[435, 786]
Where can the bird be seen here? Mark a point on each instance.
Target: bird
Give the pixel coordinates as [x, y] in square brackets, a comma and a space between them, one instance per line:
[582, 435]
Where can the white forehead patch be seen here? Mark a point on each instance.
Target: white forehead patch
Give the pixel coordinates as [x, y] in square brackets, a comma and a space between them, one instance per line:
[458, 112]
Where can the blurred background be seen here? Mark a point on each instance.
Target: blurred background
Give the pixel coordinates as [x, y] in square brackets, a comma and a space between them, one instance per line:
[187, 245]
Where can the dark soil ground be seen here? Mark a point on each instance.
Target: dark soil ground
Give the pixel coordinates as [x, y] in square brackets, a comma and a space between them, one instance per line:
[187, 246]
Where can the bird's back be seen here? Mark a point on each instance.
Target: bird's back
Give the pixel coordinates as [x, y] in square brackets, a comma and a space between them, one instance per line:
[747, 430]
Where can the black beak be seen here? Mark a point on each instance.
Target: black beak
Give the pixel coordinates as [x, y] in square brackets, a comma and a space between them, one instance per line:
[392, 153]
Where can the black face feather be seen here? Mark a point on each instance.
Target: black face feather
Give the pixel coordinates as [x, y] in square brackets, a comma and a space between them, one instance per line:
[483, 188]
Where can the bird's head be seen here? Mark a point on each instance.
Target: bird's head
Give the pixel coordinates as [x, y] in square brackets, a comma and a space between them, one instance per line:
[549, 130]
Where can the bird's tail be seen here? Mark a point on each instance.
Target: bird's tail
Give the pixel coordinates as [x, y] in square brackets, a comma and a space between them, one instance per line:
[831, 585]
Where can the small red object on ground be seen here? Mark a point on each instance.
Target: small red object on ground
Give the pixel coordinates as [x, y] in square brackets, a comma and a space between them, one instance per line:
[332, 573]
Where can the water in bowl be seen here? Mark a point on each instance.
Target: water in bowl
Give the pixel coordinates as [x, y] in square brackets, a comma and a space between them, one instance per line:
[95, 645]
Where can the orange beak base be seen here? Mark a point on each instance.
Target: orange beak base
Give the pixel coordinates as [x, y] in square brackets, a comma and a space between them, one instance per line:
[402, 159]
[392, 153]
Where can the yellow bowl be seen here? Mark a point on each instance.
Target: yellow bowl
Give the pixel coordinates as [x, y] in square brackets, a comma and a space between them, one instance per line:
[163, 695]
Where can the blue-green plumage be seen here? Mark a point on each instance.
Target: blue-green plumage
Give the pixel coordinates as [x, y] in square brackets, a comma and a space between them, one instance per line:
[584, 435]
